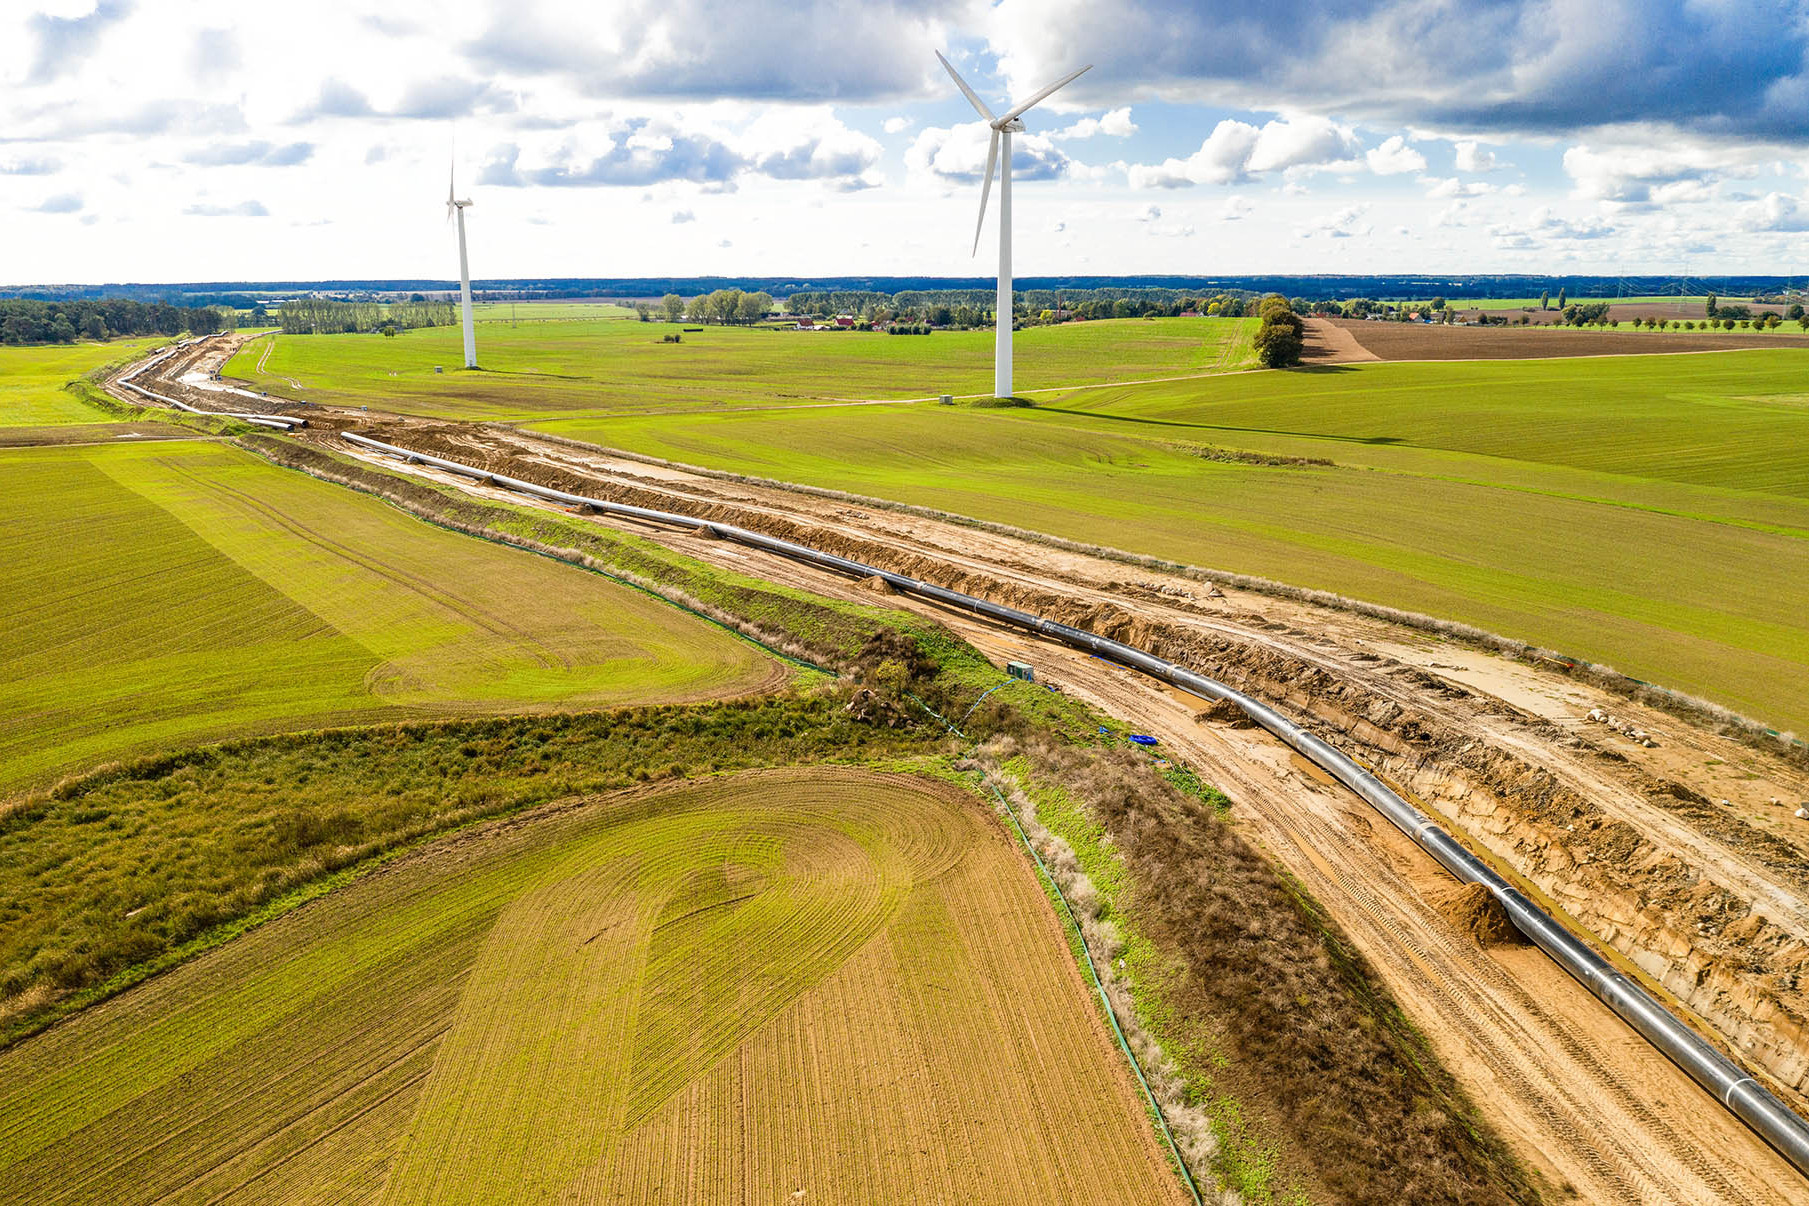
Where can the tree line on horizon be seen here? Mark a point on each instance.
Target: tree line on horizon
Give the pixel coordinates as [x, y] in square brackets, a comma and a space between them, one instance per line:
[25, 322]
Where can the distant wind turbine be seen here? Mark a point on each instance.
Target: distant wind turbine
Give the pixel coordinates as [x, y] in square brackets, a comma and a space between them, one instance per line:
[454, 206]
[1002, 130]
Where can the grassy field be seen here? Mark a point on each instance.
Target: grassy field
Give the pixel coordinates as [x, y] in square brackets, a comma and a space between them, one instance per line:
[32, 380]
[547, 311]
[1649, 513]
[552, 370]
[164, 593]
[825, 981]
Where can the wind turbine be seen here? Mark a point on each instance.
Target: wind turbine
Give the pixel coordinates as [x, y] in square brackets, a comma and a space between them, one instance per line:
[1002, 130]
[456, 206]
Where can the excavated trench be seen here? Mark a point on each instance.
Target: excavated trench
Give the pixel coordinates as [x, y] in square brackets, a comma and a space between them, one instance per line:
[1740, 970]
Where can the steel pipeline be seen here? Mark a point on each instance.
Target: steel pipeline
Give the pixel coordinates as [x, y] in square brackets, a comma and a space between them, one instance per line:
[1736, 1089]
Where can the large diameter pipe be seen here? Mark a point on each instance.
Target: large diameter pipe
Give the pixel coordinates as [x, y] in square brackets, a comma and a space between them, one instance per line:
[1730, 1084]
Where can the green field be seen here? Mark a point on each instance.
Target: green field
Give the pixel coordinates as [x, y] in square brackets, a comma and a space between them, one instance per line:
[553, 370]
[547, 311]
[32, 380]
[165, 593]
[1649, 513]
[726, 990]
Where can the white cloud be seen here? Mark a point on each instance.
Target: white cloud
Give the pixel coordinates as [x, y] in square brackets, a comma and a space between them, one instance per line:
[681, 216]
[1237, 149]
[1474, 157]
[1115, 124]
[897, 125]
[1451, 186]
[1346, 223]
[1777, 212]
[1235, 209]
[1394, 158]
[959, 155]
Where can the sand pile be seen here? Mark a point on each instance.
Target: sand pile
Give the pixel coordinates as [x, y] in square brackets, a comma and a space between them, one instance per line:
[1477, 913]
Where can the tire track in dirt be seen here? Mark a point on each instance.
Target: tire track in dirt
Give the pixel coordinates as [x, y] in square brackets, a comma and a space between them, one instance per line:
[1604, 1139]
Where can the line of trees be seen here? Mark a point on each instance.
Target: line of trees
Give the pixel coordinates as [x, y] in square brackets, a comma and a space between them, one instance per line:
[322, 316]
[31, 322]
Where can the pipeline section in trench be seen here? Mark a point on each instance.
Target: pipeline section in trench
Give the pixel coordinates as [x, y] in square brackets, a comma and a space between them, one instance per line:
[279, 422]
[1730, 1084]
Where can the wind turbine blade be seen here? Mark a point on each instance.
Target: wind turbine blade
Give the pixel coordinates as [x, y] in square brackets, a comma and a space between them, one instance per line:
[1044, 94]
[450, 203]
[992, 159]
[978, 104]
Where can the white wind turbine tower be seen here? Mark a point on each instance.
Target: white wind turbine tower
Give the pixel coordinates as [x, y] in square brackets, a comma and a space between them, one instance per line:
[1002, 130]
[455, 206]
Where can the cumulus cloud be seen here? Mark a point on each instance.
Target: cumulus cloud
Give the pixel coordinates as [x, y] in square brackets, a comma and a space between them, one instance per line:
[641, 152]
[1115, 124]
[1394, 158]
[1474, 157]
[1653, 173]
[244, 209]
[1531, 66]
[681, 216]
[1543, 226]
[62, 203]
[959, 155]
[809, 50]
[1777, 212]
[264, 154]
[64, 43]
[897, 125]
[1235, 209]
[1236, 150]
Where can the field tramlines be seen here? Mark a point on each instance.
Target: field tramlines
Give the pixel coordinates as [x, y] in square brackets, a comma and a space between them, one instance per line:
[828, 981]
[164, 593]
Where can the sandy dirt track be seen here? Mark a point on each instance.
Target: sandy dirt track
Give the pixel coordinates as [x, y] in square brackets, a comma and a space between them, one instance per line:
[1582, 1097]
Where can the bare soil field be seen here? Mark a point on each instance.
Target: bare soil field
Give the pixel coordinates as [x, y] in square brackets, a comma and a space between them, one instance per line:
[807, 985]
[1678, 311]
[1425, 341]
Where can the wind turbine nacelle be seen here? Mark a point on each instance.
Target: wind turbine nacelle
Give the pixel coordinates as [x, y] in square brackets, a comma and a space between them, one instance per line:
[1014, 126]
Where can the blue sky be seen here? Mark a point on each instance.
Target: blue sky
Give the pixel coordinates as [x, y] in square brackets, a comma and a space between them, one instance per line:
[164, 139]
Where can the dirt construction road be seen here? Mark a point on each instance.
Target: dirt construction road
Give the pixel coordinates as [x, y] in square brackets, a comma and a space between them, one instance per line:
[1672, 857]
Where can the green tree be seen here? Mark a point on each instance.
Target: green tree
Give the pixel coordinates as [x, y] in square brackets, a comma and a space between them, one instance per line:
[1282, 336]
[1560, 297]
[1545, 300]
[1438, 303]
[1711, 309]
[672, 307]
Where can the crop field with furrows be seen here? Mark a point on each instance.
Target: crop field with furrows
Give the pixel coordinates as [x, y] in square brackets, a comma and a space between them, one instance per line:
[550, 370]
[804, 985]
[1650, 513]
[167, 593]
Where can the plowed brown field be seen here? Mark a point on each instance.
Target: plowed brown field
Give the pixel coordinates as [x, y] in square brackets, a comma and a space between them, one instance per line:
[1422, 341]
[809, 985]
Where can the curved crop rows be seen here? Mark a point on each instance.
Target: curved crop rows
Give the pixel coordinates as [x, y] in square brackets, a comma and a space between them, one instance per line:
[820, 980]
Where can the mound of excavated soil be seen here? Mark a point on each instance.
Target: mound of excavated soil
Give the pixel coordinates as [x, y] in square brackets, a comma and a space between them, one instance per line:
[1475, 911]
[1226, 713]
[878, 585]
